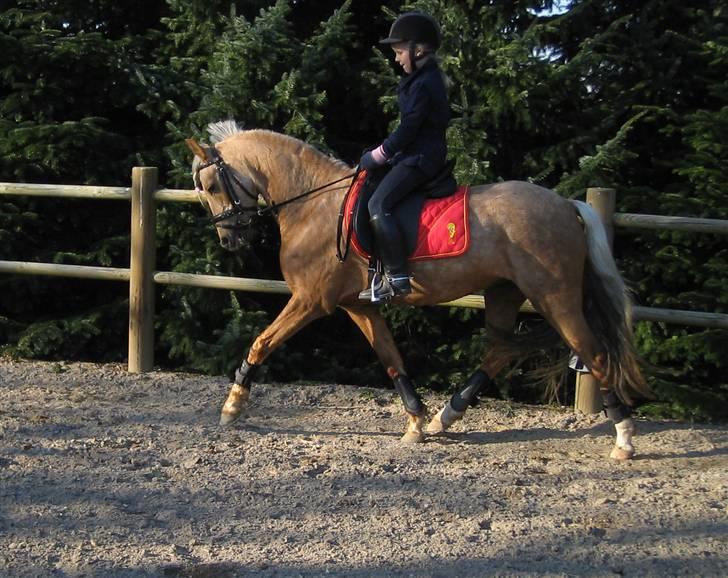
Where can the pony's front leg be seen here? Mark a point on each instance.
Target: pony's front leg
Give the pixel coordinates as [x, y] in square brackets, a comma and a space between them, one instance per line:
[415, 409]
[239, 393]
[375, 329]
[294, 316]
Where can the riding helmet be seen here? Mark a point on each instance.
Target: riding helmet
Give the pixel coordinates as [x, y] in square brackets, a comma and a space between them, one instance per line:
[414, 27]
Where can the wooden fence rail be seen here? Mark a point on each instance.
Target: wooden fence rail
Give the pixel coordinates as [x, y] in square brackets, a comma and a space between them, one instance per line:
[141, 275]
[673, 316]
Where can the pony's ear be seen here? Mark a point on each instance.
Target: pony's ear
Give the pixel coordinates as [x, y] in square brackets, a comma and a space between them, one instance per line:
[197, 149]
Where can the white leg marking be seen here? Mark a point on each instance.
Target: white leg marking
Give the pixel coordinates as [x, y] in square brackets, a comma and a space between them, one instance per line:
[625, 431]
[623, 448]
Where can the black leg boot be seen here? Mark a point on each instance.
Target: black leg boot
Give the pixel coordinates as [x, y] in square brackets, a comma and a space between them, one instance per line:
[392, 252]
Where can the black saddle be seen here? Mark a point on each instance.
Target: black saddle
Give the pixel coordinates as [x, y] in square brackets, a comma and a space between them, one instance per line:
[406, 212]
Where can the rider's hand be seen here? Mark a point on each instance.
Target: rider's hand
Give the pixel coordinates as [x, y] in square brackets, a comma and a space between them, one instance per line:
[367, 162]
[373, 158]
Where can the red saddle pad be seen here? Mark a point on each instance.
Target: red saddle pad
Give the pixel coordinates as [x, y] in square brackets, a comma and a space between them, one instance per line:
[443, 228]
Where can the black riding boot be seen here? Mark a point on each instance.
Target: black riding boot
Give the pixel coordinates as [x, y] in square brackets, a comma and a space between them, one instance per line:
[390, 247]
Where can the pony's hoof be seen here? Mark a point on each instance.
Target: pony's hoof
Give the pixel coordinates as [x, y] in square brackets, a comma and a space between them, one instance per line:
[226, 418]
[237, 397]
[435, 426]
[623, 448]
[622, 454]
[443, 420]
[411, 437]
[414, 434]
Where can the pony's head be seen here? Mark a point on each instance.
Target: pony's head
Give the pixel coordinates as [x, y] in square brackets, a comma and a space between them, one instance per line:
[230, 195]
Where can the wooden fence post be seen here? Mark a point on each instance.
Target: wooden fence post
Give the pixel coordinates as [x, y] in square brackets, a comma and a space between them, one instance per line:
[142, 264]
[588, 399]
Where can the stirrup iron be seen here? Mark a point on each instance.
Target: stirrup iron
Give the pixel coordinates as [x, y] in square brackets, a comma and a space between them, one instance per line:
[384, 288]
[378, 291]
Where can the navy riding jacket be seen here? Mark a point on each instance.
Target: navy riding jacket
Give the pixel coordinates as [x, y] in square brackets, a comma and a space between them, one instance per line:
[419, 140]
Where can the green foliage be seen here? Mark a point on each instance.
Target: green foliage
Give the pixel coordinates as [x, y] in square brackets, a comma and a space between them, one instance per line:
[602, 168]
[69, 113]
[285, 87]
[199, 346]
[74, 337]
[686, 368]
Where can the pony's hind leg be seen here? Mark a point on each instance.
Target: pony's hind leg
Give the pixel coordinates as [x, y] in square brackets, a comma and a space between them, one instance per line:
[620, 414]
[571, 324]
[502, 305]
[374, 327]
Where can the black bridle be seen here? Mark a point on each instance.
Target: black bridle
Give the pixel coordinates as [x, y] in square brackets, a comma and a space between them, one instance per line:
[228, 178]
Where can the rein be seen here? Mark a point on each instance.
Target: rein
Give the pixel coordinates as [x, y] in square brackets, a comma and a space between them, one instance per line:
[274, 207]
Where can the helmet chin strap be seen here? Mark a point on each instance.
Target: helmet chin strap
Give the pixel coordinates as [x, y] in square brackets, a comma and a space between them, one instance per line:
[412, 56]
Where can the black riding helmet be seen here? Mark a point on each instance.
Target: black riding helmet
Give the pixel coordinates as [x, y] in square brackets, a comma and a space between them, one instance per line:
[415, 28]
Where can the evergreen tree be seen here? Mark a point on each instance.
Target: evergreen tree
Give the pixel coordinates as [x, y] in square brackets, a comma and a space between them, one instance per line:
[653, 78]
[68, 114]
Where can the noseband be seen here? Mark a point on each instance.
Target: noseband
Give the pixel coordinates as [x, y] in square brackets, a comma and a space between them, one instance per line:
[230, 185]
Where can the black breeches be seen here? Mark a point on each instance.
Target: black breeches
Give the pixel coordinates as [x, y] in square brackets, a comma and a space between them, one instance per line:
[396, 185]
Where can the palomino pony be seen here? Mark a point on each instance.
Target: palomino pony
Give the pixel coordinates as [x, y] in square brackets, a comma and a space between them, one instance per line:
[527, 242]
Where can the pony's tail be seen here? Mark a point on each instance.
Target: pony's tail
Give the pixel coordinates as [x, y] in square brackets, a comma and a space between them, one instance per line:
[608, 311]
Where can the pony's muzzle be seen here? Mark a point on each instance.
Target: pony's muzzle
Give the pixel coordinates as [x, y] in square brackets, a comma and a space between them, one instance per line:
[230, 237]
[226, 242]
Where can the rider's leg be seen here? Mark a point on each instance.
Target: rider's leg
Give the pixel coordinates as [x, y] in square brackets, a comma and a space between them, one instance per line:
[389, 241]
[392, 252]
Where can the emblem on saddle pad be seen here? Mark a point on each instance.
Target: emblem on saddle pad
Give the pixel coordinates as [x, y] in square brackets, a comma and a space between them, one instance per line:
[451, 230]
[433, 241]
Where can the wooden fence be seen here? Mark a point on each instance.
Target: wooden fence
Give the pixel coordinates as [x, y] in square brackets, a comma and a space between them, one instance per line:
[142, 276]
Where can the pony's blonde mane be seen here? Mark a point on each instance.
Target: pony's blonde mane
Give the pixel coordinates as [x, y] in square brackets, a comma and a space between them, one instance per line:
[222, 130]
[290, 165]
